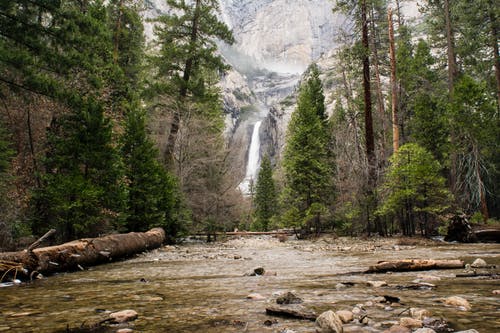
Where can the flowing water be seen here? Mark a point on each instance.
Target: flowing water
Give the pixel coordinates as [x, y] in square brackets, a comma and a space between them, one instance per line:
[202, 288]
[253, 160]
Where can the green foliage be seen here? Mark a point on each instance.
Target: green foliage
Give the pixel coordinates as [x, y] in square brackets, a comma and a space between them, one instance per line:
[83, 193]
[307, 158]
[414, 186]
[266, 203]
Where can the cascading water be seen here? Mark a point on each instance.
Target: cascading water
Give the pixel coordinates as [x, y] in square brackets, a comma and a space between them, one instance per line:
[253, 161]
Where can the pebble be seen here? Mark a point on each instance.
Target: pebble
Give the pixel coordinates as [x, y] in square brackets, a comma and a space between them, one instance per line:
[256, 297]
[125, 330]
[459, 302]
[410, 322]
[425, 330]
[123, 316]
[345, 315]
[419, 314]
[328, 322]
[398, 329]
[496, 292]
[468, 331]
[479, 263]
[356, 310]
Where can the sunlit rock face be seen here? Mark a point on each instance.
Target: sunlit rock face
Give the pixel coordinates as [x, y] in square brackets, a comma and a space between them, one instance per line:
[281, 35]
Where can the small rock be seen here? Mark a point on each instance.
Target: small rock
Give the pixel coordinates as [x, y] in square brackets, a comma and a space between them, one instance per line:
[125, 330]
[4, 328]
[410, 322]
[356, 310]
[425, 330]
[270, 322]
[468, 331]
[376, 284]
[458, 302]
[259, 271]
[368, 303]
[287, 330]
[237, 256]
[345, 315]
[123, 316]
[496, 292]
[419, 314]
[398, 329]
[256, 297]
[328, 322]
[479, 263]
[437, 324]
[289, 298]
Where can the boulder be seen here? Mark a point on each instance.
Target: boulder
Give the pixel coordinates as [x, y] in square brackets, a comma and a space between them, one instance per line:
[419, 314]
[437, 324]
[345, 315]
[410, 322]
[479, 263]
[458, 302]
[328, 322]
[289, 298]
[123, 316]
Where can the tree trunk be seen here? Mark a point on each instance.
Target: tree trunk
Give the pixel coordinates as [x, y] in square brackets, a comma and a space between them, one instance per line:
[406, 265]
[394, 87]
[380, 97]
[84, 252]
[494, 43]
[188, 69]
[452, 74]
[369, 136]
[117, 33]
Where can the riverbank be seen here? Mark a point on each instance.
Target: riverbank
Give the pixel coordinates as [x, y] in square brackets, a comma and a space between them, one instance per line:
[199, 287]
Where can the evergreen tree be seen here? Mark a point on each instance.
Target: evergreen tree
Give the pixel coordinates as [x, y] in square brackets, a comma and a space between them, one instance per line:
[83, 191]
[414, 185]
[266, 203]
[307, 163]
[187, 39]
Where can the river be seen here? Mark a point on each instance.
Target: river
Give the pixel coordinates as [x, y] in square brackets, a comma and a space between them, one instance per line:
[199, 287]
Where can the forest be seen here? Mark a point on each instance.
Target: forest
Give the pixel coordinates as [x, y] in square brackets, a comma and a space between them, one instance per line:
[412, 140]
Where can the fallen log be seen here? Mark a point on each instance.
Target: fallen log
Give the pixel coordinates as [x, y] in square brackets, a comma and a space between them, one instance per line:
[406, 265]
[83, 252]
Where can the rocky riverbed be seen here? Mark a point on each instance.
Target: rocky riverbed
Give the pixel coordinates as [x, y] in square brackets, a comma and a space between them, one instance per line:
[227, 287]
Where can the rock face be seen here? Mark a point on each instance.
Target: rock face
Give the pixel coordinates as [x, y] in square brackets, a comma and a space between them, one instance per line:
[328, 322]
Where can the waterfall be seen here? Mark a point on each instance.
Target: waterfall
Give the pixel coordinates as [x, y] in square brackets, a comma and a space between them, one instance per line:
[253, 160]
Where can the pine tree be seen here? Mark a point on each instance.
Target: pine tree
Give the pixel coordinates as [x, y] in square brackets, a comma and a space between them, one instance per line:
[306, 161]
[414, 185]
[187, 40]
[266, 203]
[83, 190]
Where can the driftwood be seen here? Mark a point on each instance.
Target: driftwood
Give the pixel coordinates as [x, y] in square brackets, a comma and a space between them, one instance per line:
[414, 265]
[291, 311]
[84, 252]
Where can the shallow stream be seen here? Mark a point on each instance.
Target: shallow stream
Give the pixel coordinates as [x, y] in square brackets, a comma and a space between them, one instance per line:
[202, 288]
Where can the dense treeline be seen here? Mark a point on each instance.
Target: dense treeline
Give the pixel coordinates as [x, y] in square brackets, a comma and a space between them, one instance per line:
[100, 133]
[431, 88]
[77, 93]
